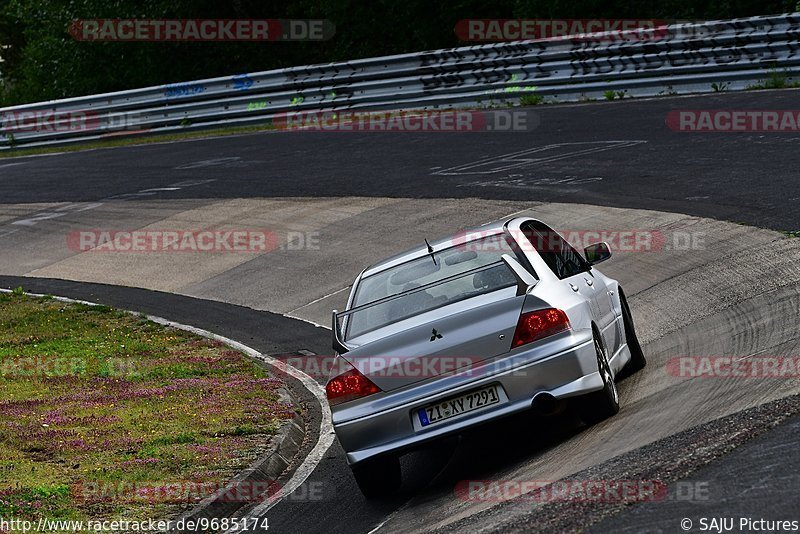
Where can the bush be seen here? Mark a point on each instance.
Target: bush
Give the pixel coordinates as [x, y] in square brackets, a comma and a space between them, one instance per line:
[43, 62]
[531, 99]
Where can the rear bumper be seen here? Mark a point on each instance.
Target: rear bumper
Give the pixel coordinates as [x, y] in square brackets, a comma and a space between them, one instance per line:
[563, 367]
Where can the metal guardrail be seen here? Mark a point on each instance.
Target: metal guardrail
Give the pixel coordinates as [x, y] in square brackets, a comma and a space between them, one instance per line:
[676, 59]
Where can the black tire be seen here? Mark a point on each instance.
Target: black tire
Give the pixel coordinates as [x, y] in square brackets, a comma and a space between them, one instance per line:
[378, 477]
[600, 405]
[638, 360]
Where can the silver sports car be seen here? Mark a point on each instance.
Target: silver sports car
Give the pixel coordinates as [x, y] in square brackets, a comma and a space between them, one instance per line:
[465, 330]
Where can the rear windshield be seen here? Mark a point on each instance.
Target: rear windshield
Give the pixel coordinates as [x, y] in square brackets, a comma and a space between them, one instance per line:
[420, 285]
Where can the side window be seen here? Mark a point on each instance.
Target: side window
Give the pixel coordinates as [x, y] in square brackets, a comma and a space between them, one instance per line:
[559, 255]
[541, 245]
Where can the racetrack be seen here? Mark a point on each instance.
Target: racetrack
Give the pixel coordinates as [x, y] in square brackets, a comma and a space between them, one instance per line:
[734, 290]
[747, 177]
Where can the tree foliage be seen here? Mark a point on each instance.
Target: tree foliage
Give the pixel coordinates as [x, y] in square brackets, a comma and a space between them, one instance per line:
[42, 61]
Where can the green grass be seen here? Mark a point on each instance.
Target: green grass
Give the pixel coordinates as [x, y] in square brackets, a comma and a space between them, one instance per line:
[531, 99]
[92, 395]
[132, 141]
[778, 79]
[614, 95]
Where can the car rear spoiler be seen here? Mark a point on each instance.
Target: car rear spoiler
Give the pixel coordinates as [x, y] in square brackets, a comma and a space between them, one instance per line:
[525, 282]
[338, 344]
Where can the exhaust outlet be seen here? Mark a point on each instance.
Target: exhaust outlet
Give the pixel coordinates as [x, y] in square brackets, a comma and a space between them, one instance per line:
[546, 404]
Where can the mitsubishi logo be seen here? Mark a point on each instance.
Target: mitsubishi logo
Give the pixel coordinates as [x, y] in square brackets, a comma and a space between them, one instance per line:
[435, 335]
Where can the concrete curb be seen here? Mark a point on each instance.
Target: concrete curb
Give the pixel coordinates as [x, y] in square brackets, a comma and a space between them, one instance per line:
[261, 475]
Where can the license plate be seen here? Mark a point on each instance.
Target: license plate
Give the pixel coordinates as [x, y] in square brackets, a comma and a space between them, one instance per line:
[468, 402]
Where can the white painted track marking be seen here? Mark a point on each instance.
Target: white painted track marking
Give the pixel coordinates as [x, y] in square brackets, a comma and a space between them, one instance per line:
[523, 158]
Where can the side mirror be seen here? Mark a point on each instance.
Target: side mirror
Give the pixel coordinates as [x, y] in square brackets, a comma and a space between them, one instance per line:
[597, 253]
[525, 280]
[338, 345]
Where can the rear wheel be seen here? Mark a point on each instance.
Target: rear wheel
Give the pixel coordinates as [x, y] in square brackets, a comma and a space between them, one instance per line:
[638, 361]
[600, 405]
[378, 477]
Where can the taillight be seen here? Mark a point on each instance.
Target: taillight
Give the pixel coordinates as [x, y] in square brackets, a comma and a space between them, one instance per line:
[539, 324]
[349, 385]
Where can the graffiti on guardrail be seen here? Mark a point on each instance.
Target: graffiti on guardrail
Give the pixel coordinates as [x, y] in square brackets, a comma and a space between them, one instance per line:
[178, 90]
[516, 88]
[242, 82]
[256, 106]
[734, 54]
[643, 57]
[447, 80]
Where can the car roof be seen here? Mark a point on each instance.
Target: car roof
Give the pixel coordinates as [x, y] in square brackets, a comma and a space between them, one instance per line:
[485, 230]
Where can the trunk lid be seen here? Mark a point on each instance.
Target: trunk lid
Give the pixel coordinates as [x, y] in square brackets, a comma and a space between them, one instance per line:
[439, 341]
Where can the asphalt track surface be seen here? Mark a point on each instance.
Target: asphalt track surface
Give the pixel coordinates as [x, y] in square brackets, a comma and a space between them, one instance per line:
[747, 482]
[745, 177]
[739, 295]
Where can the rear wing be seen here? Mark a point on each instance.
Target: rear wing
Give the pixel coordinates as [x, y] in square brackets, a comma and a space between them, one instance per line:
[338, 344]
[525, 281]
